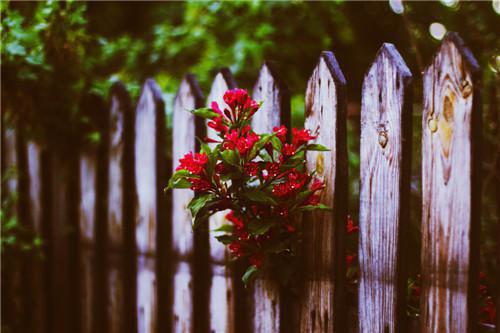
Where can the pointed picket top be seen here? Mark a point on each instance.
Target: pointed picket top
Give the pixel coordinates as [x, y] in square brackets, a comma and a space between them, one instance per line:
[385, 148]
[222, 82]
[451, 134]
[275, 97]
[149, 148]
[187, 128]
[322, 305]
[120, 112]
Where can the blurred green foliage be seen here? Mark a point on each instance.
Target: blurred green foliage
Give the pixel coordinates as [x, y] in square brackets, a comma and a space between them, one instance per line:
[56, 53]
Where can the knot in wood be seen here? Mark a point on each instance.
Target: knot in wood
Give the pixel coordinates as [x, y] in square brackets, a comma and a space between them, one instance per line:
[432, 124]
[383, 138]
[466, 88]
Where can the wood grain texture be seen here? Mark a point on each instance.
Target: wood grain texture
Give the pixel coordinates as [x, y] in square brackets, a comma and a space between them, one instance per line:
[221, 290]
[275, 110]
[450, 185]
[322, 306]
[149, 156]
[186, 128]
[384, 191]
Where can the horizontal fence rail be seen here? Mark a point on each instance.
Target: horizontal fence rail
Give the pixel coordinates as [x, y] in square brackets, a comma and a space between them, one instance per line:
[120, 255]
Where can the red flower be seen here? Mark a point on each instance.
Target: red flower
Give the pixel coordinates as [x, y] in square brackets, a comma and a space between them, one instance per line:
[240, 103]
[215, 108]
[301, 137]
[218, 125]
[200, 185]
[349, 259]
[251, 168]
[312, 200]
[488, 311]
[238, 223]
[243, 143]
[193, 164]
[288, 150]
[256, 260]
[271, 170]
[289, 228]
[235, 248]
[209, 140]
[294, 183]
[220, 168]
[317, 185]
[351, 228]
[281, 133]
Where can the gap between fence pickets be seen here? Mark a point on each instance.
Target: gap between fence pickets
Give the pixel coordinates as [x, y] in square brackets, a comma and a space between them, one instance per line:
[384, 192]
[451, 132]
[322, 307]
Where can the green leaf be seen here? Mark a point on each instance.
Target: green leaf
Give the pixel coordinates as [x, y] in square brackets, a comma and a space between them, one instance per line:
[197, 203]
[230, 157]
[250, 274]
[224, 228]
[264, 139]
[317, 147]
[277, 145]
[259, 196]
[206, 113]
[260, 227]
[311, 207]
[225, 239]
[181, 183]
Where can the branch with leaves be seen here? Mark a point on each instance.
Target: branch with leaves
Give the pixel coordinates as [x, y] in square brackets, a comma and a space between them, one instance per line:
[260, 179]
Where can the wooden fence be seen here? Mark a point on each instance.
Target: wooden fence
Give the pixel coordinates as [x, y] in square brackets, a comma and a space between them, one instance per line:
[120, 255]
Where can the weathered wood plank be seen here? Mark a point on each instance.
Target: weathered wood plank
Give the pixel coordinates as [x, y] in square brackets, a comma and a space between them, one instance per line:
[384, 192]
[221, 289]
[38, 269]
[88, 189]
[275, 110]
[87, 256]
[120, 109]
[149, 159]
[322, 301]
[450, 183]
[115, 299]
[185, 242]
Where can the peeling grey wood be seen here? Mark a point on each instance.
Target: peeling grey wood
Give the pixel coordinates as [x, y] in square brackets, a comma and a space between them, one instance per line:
[146, 295]
[322, 307]
[186, 128]
[149, 151]
[450, 189]
[221, 289]
[274, 111]
[88, 194]
[384, 192]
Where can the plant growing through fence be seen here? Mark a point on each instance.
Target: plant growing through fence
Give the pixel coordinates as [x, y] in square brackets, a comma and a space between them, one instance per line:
[260, 179]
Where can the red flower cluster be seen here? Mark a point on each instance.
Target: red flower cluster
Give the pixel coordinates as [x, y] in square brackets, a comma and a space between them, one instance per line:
[261, 179]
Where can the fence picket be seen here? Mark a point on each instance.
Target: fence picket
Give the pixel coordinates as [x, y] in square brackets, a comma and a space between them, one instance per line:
[35, 208]
[450, 189]
[185, 242]
[384, 192]
[322, 300]
[120, 272]
[274, 111]
[221, 289]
